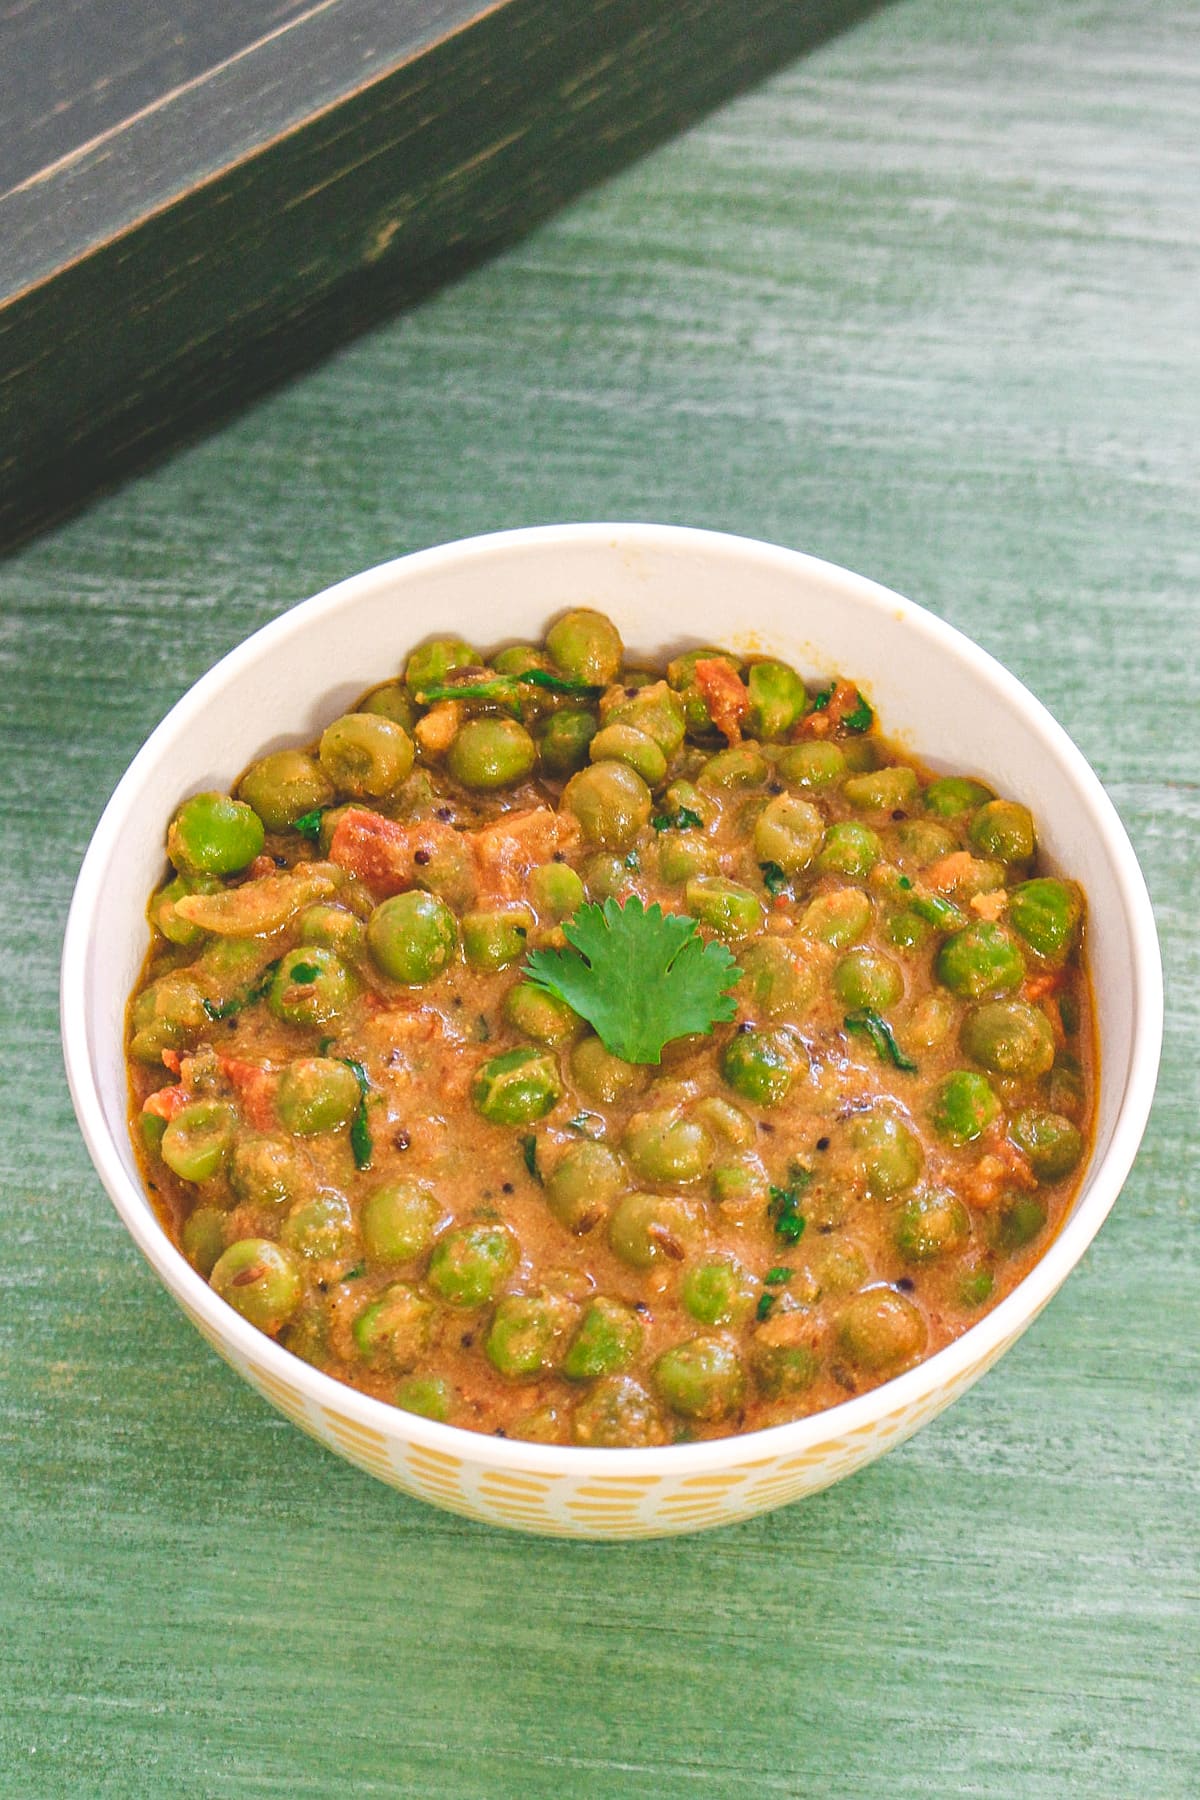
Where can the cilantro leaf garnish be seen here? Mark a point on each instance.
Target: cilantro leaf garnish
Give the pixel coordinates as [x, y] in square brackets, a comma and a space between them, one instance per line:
[529, 1156]
[309, 823]
[682, 819]
[775, 879]
[821, 701]
[640, 976]
[361, 1146]
[937, 911]
[861, 718]
[504, 687]
[763, 1309]
[777, 1276]
[226, 1009]
[866, 1020]
[783, 1209]
[303, 973]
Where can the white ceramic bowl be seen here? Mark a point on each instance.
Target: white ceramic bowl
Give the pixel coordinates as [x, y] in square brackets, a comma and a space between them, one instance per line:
[665, 588]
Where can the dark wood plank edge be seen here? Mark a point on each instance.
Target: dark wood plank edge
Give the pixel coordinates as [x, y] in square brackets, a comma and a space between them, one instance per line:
[414, 179]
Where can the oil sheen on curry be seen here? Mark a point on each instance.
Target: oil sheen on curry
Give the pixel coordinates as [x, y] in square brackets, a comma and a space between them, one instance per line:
[605, 1055]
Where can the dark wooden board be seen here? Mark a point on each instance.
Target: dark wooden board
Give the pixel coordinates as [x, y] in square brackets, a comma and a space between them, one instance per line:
[349, 161]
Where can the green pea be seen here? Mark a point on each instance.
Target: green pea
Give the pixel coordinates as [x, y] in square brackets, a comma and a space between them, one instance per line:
[920, 842]
[741, 766]
[412, 937]
[703, 1378]
[725, 1121]
[334, 928]
[981, 962]
[849, 849]
[449, 873]
[868, 978]
[516, 1087]
[497, 938]
[626, 744]
[543, 1425]
[430, 663]
[586, 645]
[260, 1280]
[775, 982]
[198, 1139]
[721, 1292]
[740, 1188]
[151, 1127]
[931, 1223]
[608, 1340]
[963, 1106]
[212, 834]
[430, 1396]
[365, 755]
[681, 795]
[882, 1330]
[320, 1227]
[617, 1414]
[762, 1065]
[399, 1220]
[837, 918]
[788, 831]
[491, 753]
[782, 1358]
[562, 741]
[684, 854]
[161, 910]
[1047, 914]
[1066, 1091]
[1004, 829]
[1018, 1224]
[611, 802]
[662, 1147]
[1009, 1037]
[470, 1262]
[888, 1156]
[862, 755]
[541, 1015]
[167, 1015]
[883, 790]
[317, 1094]
[840, 1268]
[607, 876]
[518, 659]
[283, 786]
[907, 930]
[391, 701]
[644, 1229]
[727, 908]
[974, 1284]
[932, 1020]
[311, 986]
[1051, 1142]
[953, 795]
[583, 1183]
[777, 700]
[526, 1335]
[600, 1076]
[815, 765]
[268, 1171]
[657, 713]
[397, 1328]
[203, 1238]
[555, 890]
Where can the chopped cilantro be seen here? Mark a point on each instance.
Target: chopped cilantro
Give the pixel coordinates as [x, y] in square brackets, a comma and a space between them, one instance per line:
[862, 718]
[324, 1045]
[360, 1131]
[309, 823]
[763, 1309]
[640, 976]
[633, 861]
[226, 1009]
[356, 1273]
[784, 1207]
[529, 1153]
[503, 687]
[303, 973]
[866, 1020]
[682, 819]
[937, 911]
[586, 1124]
[777, 1276]
[821, 701]
[774, 878]
[904, 883]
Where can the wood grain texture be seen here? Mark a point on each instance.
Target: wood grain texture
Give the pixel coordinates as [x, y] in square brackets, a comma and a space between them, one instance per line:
[351, 159]
[923, 304]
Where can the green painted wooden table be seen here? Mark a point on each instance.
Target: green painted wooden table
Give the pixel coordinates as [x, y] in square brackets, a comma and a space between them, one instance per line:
[924, 304]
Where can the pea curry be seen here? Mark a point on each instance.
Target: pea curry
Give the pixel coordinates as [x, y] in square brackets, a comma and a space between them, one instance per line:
[585, 1053]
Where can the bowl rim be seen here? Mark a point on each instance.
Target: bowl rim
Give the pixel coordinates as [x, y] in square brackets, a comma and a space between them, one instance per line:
[941, 1373]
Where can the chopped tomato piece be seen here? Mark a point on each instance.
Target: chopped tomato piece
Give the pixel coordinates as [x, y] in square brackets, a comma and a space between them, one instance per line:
[254, 1086]
[385, 854]
[167, 1102]
[725, 695]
